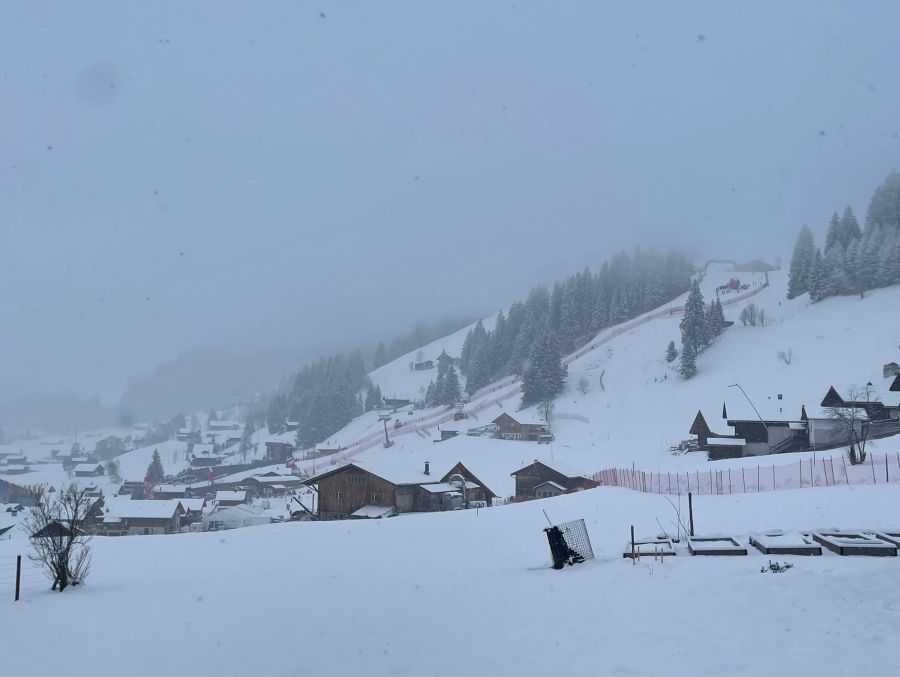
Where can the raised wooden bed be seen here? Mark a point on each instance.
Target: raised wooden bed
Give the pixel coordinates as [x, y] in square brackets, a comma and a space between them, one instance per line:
[715, 545]
[889, 536]
[662, 547]
[855, 543]
[785, 544]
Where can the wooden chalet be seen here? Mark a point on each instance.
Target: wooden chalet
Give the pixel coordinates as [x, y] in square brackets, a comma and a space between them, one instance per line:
[544, 479]
[523, 426]
[88, 470]
[122, 517]
[357, 491]
[423, 366]
[279, 452]
[875, 409]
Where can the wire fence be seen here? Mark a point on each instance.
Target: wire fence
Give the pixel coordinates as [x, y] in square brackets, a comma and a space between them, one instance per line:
[32, 578]
[813, 472]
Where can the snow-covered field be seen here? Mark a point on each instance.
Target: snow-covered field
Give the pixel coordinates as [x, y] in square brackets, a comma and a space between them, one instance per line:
[472, 591]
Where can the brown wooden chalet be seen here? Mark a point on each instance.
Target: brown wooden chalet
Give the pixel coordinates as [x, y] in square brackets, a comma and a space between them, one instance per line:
[875, 409]
[545, 479]
[279, 452]
[522, 426]
[357, 491]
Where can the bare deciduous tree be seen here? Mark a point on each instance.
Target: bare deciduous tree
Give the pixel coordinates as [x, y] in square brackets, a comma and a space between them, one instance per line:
[750, 315]
[113, 470]
[786, 356]
[546, 408]
[59, 543]
[854, 420]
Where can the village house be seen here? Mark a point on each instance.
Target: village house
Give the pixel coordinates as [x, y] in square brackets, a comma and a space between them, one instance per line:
[122, 517]
[183, 434]
[279, 452]
[384, 489]
[423, 366]
[523, 426]
[88, 470]
[172, 491]
[193, 510]
[544, 479]
[234, 517]
[227, 498]
[272, 484]
[291, 426]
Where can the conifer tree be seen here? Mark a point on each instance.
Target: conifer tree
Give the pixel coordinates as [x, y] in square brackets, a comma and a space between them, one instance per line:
[688, 361]
[380, 358]
[546, 375]
[155, 470]
[801, 263]
[693, 323]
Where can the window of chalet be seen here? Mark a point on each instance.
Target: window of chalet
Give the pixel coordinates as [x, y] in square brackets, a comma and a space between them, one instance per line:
[375, 498]
[357, 478]
[338, 495]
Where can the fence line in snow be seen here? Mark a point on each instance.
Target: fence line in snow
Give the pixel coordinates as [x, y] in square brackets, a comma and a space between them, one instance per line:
[813, 472]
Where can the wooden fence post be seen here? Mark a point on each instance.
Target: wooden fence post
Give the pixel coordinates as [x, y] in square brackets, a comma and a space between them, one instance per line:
[691, 511]
[18, 574]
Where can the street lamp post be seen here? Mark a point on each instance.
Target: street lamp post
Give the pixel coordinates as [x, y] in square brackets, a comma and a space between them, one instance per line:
[738, 386]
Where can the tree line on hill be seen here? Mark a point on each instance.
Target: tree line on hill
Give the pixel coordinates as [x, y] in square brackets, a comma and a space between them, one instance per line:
[531, 338]
[853, 260]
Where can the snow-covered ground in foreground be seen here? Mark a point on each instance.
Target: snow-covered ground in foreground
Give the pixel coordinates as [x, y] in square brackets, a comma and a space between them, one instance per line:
[437, 594]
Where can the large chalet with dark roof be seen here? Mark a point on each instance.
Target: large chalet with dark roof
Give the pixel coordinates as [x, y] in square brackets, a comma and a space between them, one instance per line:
[381, 490]
[544, 479]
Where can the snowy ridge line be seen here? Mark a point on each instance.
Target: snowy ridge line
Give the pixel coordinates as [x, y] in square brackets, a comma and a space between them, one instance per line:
[425, 422]
[824, 472]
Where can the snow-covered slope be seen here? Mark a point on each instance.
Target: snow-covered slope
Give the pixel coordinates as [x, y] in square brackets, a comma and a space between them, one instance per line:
[636, 406]
[425, 595]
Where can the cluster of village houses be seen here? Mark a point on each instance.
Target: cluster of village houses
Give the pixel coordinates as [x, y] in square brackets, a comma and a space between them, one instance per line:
[777, 424]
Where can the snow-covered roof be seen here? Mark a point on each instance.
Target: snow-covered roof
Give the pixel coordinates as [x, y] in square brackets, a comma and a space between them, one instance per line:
[559, 466]
[726, 442]
[141, 509]
[526, 417]
[374, 511]
[193, 504]
[203, 449]
[279, 479]
[171, 488]
[444, 487]
[816, 412]
[87, 467]
[552, 484]
[231, 495]
[769, 406]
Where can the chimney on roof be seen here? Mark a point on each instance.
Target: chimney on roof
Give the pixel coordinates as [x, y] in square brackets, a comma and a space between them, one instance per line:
[427, 467]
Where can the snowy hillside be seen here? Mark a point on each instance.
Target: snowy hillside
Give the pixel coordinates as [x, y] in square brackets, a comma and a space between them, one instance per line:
[636, 406]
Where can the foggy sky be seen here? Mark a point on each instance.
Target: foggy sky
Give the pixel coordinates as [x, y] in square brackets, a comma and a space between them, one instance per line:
[242, 175]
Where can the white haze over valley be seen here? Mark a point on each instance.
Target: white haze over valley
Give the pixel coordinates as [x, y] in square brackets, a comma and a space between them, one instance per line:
[426, 339]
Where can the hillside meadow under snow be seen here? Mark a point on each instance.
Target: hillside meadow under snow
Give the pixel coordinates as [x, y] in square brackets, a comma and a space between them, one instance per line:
[423, 594]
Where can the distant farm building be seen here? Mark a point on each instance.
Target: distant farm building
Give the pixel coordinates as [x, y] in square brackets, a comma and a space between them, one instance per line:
[423, 366]
[88, 470]
[523, 426]
[545, 479]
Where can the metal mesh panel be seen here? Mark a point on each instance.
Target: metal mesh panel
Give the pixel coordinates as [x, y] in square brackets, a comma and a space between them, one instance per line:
[576, 535]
